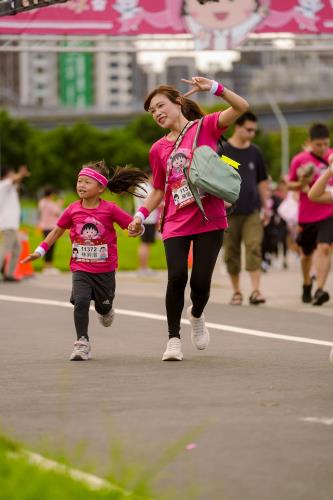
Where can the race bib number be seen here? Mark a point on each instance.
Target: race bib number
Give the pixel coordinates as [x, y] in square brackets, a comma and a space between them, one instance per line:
[181, 194]
[88, 253]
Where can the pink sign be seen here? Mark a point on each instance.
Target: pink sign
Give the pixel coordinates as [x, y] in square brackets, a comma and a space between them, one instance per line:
[214, 25]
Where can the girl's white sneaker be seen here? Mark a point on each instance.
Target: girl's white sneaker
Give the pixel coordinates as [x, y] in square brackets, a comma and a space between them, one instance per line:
[81, 351]
[106, 319]
[173, 351]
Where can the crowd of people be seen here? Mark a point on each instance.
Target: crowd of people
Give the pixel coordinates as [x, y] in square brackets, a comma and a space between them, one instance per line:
[267, 218]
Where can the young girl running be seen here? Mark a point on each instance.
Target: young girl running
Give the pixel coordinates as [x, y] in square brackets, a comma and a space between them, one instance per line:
[183, 221]
[94, 245]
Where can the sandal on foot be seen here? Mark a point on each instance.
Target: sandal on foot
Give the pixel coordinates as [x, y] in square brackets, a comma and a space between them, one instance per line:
[256, 298]
[236, 299]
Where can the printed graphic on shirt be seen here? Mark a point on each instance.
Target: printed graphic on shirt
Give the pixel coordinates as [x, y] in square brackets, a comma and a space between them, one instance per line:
[89, 243]
[179, 161]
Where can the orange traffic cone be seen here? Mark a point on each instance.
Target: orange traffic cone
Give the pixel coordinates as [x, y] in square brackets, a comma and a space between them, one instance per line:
[24, 270]
[190, 257]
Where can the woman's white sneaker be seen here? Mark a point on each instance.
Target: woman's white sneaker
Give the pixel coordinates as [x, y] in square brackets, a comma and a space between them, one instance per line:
[199, 331]
[106, 319]
[81, 351]
[173, 351]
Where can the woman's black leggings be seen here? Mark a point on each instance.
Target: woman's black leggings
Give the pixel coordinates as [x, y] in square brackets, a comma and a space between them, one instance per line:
[206, 247]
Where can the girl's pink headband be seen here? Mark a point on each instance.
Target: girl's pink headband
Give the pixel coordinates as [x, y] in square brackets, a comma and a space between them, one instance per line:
[90, 172]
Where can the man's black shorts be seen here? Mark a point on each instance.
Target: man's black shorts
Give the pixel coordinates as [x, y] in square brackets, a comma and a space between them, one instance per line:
[149, 234]
[315, 232]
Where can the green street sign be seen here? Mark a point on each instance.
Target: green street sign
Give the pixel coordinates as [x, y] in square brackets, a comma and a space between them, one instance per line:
[76, 78]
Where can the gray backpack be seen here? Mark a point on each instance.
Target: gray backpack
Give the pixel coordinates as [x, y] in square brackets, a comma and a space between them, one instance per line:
[211, 174]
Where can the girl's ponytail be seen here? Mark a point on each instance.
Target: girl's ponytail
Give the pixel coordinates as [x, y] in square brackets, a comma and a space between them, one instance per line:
[128, 179]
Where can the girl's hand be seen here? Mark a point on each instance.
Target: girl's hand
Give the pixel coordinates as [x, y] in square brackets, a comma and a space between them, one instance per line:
[32, 256]
[199, 84]
[135, 227]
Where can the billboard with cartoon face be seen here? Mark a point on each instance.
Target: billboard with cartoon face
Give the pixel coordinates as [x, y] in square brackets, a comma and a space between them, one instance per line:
[214, 24]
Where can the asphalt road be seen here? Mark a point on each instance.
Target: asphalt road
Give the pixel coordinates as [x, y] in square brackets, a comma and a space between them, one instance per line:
[256, 410]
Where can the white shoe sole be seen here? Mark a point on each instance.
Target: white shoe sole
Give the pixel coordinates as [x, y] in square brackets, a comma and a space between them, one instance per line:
[172, 357]
[80, 357]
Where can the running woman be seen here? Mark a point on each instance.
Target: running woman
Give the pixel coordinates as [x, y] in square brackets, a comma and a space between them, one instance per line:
[183, 222]
[94, 245]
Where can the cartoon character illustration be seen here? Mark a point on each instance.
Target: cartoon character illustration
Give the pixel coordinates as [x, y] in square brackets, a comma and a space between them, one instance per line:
[127, 8]
[103, 253]
[305, 14]
[130, 14]
[176, 163]
[75, 252]
[89, 231]
[179, 161]
[222, 24]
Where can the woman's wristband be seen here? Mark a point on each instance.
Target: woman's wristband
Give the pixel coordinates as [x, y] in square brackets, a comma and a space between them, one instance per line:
[142, 213]
[217, 88]
[42, 249]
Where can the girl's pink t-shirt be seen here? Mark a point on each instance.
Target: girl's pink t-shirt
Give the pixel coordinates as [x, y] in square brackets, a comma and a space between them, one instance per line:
[93, 237]
[309, 211]
[187, 220]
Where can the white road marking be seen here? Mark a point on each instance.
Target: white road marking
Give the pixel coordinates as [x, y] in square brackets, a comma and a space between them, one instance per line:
[90, 480]
[160, 317]
[318, 420]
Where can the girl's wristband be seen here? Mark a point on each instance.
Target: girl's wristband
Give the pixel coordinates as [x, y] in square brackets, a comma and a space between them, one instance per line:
[42, 249]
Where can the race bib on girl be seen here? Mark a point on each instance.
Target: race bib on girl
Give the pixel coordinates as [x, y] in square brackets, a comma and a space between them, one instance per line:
[89, 253]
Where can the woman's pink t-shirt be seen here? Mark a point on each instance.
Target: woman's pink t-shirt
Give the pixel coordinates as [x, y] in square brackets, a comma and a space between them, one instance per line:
[49, 212]
[309, 211]
[189, 219]
[94, 239]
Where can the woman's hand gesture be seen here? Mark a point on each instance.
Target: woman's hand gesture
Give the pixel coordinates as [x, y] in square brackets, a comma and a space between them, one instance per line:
[199, 84]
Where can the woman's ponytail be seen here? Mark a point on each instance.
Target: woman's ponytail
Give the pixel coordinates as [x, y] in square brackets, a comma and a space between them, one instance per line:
[190, 109]
[128, 179]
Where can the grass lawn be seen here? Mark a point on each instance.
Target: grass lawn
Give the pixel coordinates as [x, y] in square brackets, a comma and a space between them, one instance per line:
[21, 478]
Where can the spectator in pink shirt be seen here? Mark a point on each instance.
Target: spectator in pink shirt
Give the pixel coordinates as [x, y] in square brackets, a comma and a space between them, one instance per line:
[183, 222]
[315, 219]
[94, 258]
[49, 209]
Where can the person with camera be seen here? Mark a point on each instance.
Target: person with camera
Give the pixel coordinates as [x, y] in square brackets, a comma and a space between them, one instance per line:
[315, 219]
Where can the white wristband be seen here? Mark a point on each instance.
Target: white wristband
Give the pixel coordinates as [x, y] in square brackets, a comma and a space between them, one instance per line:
[142, 230]
[140, 214]
[41, 251]
[214, 87]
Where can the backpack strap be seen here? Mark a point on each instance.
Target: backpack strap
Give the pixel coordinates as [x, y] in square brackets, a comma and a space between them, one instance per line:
[197, 132]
